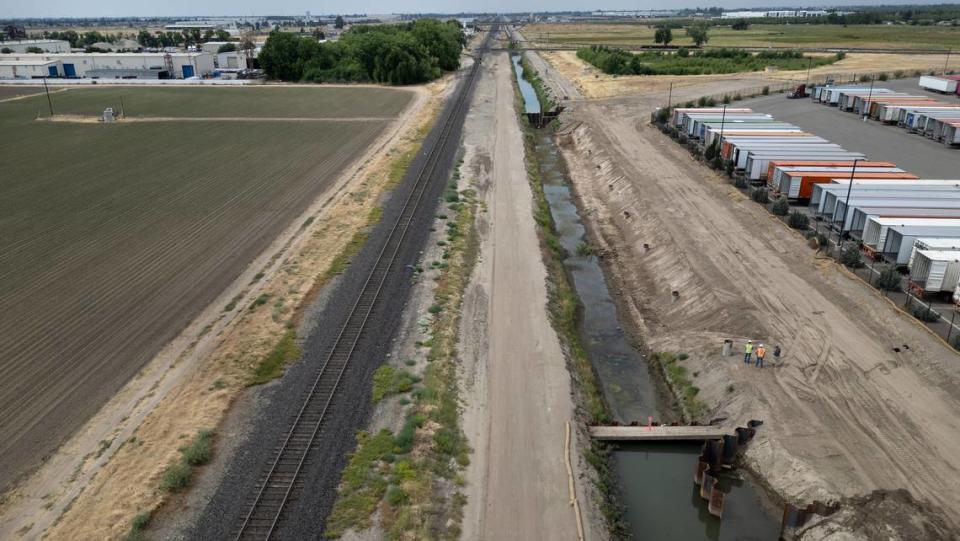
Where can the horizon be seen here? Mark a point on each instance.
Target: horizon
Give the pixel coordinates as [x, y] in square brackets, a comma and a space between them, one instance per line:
[117, 9]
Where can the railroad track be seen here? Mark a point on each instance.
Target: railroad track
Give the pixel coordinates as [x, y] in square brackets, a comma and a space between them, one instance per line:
[280, 485]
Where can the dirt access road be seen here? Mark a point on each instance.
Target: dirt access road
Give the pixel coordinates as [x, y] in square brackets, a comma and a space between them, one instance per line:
[516, 384]
[845, 414]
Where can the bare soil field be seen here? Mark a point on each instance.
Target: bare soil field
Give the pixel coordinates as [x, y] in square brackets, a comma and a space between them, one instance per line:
[593, 83]
[112, 238]
[758, 35]
[864, 399]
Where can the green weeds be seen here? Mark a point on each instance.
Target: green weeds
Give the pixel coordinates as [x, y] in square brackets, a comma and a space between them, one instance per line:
[272, 366]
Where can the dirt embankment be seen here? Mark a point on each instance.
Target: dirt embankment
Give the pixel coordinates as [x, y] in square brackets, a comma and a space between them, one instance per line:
[844, 412]
[593, 83]
[176, 396]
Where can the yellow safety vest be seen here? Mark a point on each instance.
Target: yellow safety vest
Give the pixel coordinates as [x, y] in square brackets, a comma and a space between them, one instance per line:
[748, 348]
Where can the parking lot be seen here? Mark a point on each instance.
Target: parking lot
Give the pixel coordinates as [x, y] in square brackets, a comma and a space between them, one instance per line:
[914, 153]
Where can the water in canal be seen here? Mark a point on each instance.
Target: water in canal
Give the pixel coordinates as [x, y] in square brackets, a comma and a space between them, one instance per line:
[530, 102]
[660, 499]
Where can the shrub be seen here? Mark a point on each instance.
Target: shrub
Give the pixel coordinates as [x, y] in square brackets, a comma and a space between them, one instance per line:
[726, 99]
[781, 207]
[765, 91]
[851, 257]
[729, 166]
[798, 220]
[864, 78]
[711, 151]
[689, 104]
[889, 278]
[717, 162]
[702, 102]
[841, 55]
[199, 451]
[898, 74]
[683, 52]
[760, 195]
[711, 102]
[176, 476]
[883, 77]
[737, 97]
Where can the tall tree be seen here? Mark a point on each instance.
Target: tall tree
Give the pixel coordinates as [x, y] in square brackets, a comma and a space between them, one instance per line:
[663, 35]
[338, 22]
[698, 33]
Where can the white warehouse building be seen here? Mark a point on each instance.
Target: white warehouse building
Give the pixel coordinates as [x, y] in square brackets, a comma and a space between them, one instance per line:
[107, 65]
[46, 45]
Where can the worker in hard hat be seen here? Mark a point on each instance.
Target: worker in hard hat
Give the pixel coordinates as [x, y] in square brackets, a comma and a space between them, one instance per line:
[761, 351]
[747, 352]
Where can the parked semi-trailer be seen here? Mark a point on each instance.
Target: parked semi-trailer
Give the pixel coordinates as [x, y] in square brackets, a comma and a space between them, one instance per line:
[910, 117]
[801, 187]
[938, 84]
[887, 235]
[862, 210]
[944, 244]
[826, 196]
[758, 162]
[772, 166]
[776, 170]
[934, 271]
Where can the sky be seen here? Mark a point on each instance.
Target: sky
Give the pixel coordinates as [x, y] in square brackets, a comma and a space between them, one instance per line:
[175, 8]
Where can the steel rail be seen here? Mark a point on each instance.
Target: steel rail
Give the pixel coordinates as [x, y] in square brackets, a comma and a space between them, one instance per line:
[277, 488]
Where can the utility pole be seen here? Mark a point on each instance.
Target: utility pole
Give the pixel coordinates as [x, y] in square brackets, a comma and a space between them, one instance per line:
[947, 61]
[846, 207]
[869, 99]
[49, 100]
[670, 96]
[809, 65]
[723, 120]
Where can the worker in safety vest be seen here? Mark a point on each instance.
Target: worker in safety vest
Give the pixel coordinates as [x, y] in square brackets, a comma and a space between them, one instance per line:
[747, 352]
[761, 351]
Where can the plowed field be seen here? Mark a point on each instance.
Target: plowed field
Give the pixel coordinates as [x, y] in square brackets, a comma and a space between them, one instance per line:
[113, 237]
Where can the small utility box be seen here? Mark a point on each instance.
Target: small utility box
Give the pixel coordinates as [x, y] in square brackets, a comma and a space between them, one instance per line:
[108, 115]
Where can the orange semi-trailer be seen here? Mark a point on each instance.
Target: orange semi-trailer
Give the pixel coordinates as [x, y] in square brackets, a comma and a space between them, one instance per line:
[802, 187]
[822, 163]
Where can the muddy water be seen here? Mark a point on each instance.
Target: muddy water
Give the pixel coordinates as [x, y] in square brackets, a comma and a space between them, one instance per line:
[660, 499]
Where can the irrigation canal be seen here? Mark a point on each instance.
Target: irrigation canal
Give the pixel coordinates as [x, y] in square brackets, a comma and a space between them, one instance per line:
[659, 497]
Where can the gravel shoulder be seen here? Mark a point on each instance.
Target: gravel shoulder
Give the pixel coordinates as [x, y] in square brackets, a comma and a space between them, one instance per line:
[517, 388]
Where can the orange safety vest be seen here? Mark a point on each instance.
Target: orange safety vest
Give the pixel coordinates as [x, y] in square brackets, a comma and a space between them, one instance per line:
[761, 351]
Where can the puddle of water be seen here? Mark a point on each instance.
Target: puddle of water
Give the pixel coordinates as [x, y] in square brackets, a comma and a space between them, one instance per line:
[660, 499]
[530, 102]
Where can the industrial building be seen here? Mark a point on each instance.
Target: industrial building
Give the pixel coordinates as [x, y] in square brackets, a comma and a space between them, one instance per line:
[46, 45]
[107, 65]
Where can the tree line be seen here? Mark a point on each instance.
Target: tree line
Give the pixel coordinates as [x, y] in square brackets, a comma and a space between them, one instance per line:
[615, 61]
[409, 53]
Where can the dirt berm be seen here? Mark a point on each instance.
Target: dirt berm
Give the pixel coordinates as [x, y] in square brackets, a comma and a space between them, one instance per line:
[864, 398]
